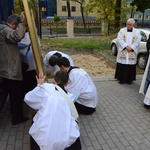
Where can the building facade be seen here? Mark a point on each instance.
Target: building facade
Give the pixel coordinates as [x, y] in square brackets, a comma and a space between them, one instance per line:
[59, 7]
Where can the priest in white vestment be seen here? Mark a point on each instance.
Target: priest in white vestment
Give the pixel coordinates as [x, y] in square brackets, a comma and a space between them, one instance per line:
[51, 58]
[54, 126]
[129, 40]
[81, 86]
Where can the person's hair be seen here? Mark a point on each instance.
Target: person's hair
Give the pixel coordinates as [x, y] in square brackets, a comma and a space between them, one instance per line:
[53, 60]
[131, 20]
[14, 19]
[61, 77]
[63, 61]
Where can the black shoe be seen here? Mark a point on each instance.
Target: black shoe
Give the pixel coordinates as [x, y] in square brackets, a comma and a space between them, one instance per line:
[147, 106]
[24, 119]
[129, 83]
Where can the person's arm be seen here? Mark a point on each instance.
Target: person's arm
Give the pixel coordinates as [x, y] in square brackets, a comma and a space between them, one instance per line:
[74, 85]
[137, 41]
[15, 36]
[121, 39]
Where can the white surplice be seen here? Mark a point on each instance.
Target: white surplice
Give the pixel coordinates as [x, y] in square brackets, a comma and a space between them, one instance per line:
[82, 87]
[54, 69]
[147, 95]
[53, 128]
[131, 39]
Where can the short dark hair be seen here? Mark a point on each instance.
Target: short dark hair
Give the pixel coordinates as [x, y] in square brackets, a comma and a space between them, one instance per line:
[14, 19]
[61, 77]
[63, 61]
[53, 60]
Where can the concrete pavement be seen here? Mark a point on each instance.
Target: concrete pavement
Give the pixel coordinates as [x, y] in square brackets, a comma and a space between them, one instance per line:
[120, 122]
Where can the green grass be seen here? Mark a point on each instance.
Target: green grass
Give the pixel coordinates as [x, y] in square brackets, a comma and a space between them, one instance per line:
[86, 43]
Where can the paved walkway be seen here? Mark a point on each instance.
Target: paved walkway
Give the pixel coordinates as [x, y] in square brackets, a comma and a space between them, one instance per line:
[120, 122]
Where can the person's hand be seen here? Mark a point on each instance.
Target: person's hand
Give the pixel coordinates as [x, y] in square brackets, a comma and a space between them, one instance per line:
[40, 79]
[129, 49]
[22, 15]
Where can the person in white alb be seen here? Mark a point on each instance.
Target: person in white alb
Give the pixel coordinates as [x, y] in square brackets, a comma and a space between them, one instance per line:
[145, 84]
[129, 40]
[51, 58]
[81, 86]
[55, 125]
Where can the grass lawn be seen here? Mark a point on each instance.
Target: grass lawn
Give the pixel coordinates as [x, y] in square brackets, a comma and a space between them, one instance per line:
[99, 43]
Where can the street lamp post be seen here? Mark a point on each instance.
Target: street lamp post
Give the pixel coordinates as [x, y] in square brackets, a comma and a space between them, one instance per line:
[40, 25]
[42, 4]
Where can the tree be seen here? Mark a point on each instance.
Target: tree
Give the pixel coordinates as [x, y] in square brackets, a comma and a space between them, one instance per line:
[106, 11]
[117, 13]
[141, 5]
[56, 20]
[34, 5]
[81, 2]
[68, 8]
[19, 5]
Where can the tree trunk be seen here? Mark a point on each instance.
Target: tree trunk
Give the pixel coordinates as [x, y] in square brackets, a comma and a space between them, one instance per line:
[131, 15]
[82, 13]
[68, 9]
[117, 14]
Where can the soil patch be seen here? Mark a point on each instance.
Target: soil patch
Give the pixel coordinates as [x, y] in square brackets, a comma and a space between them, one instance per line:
[95, 65]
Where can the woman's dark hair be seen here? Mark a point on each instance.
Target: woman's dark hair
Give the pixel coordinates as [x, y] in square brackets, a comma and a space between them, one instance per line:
[61, 77]
[63, 61]
[53, 60]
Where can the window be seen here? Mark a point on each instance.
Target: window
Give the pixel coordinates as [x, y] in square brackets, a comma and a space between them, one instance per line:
[73, 8]
[64, 8]
[139, 17]
[146, 17]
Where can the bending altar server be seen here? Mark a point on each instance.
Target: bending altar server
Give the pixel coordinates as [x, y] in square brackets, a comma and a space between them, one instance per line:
[51, 58]
[145, 88]
[129, 40]
[54, 126]
[81, 86]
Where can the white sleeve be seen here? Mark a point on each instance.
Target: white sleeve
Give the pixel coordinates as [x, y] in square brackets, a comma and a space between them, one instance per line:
[137, 41]
[35, 97]
[121, 41]
[74, 86]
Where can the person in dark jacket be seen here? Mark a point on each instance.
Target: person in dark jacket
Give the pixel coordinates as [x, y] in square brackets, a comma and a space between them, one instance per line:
[10, 65]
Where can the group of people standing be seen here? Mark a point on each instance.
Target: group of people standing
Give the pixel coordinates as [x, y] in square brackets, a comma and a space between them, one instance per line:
[55, 124]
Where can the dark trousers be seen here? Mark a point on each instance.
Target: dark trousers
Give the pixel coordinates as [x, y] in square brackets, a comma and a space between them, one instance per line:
[13, 89]
[125, 73]
[75, 146]
[29, 81]
[84, 110]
